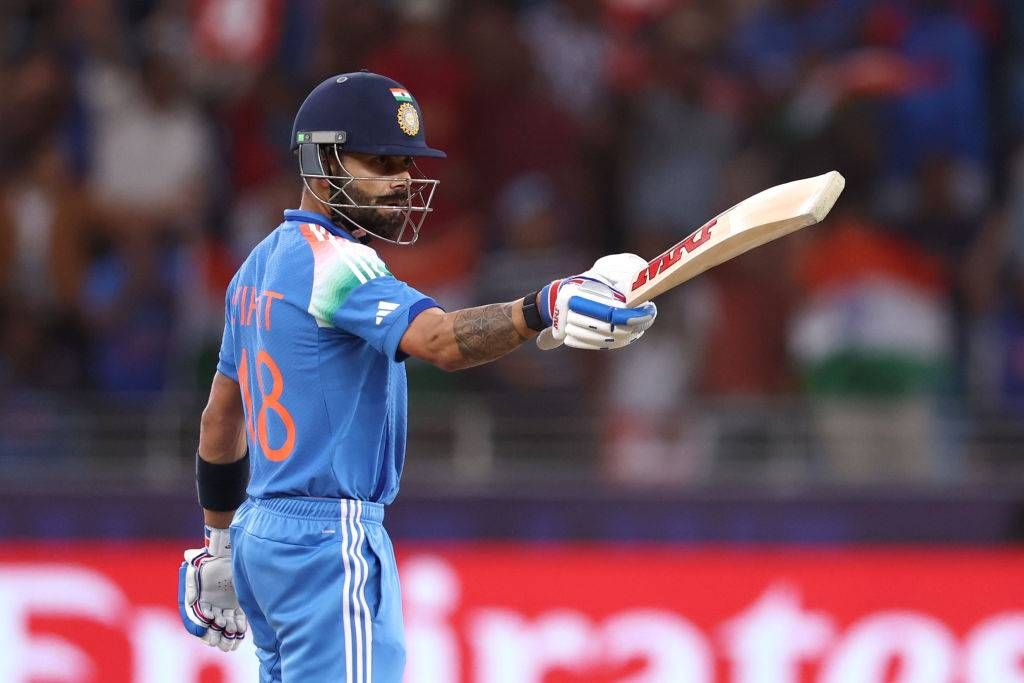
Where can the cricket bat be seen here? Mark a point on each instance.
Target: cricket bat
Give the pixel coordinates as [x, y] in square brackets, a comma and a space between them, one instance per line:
[766, 216]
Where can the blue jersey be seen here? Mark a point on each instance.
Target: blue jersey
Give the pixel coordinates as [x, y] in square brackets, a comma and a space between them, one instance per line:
[313, 321]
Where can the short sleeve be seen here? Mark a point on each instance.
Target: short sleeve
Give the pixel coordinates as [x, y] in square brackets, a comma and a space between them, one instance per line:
[226, 357]
[353, 291]
[380, 311]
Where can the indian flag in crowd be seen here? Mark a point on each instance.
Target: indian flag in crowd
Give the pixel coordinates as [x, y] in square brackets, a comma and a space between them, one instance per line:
[876, 317]
[401, 94]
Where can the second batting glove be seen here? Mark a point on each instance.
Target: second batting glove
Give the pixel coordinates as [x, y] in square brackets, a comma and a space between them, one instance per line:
[206, 593]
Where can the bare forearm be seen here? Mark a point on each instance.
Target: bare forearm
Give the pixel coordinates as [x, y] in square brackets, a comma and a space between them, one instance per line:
[472, 336]
[485, 333]
[217, 520]
[221, 438]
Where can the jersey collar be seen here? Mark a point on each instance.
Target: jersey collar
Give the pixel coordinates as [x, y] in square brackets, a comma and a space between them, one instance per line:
[300, 216]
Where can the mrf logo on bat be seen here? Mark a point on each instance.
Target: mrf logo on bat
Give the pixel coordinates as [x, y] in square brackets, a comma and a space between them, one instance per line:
[666, 260]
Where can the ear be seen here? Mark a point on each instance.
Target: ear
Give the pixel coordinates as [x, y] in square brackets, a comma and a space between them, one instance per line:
[319, 188]
[321, 185]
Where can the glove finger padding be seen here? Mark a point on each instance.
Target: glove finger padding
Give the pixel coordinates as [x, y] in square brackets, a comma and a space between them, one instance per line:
[584, 345]
[227, 639]
[599, 338]
[579, 343]
[207, 602]
[212, 637]
[574, 319]
[230, 624]
[593, 300]
[588, 314]
[601, 327]
[221, 634]
[596, 334]
[581, 338]
[234, 630]
[590, 333]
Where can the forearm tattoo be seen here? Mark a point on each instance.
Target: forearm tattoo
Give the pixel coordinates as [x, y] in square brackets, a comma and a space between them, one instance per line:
[486, 332]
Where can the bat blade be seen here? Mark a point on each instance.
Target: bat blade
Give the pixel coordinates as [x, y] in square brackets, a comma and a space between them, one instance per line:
[766, 216]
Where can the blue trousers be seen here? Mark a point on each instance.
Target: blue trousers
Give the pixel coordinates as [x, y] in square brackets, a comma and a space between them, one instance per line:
[318, 582]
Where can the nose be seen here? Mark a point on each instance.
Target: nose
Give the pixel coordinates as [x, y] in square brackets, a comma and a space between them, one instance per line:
[400, 179]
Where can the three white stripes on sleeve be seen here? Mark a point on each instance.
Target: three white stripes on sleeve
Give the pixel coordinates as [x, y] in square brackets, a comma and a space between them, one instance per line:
[356, 617]
[365, 266]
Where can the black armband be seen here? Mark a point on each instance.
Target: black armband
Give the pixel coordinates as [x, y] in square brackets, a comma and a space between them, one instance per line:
[530, 313]
[221, 488]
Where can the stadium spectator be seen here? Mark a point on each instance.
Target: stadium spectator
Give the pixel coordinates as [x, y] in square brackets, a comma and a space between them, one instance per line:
[151, 148]
[678, 137]
[143, 148]
[777, 43]
[872, 339]
[128, 303]
[572, 51]
[44, 225]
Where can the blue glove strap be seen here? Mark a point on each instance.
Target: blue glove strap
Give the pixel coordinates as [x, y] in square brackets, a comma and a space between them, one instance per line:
[606, 313]
[542, 306]
[190, 626]
[629, 316]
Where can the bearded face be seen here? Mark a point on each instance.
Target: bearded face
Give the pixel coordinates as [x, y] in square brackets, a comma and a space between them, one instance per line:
[376, 194]
[384, 223]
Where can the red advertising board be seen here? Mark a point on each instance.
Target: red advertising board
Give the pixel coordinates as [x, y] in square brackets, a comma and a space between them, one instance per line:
[481, 613]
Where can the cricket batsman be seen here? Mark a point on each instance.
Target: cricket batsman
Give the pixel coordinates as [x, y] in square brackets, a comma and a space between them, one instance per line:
[302, 441]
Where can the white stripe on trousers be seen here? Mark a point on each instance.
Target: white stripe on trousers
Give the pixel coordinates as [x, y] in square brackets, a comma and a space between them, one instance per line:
[367, 616]
[357, 575]
[358, 621]
[346, 597]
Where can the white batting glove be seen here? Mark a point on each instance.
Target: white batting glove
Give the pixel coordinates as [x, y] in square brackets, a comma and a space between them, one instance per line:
[206, 594]
[588, 311]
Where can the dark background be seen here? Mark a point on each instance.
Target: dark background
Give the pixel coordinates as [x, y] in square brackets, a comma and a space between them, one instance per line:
[863, 381]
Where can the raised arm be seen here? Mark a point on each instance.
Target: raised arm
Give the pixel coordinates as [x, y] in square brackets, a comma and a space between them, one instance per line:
[585, 311]
[471, 336]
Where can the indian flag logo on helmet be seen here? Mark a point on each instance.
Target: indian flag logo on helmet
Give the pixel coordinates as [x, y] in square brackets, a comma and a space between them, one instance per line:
[401, 94]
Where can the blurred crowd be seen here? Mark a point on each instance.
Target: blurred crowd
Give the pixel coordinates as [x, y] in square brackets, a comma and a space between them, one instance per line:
[144, 151]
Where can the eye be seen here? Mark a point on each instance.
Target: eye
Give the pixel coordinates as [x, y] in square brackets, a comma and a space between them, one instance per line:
[389, 165]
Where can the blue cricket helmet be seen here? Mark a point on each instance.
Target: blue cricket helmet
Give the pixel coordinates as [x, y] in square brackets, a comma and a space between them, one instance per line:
[365, 113]
[362, 112]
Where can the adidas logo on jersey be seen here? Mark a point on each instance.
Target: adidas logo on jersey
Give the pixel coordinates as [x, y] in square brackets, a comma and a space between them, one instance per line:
[383, 308]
